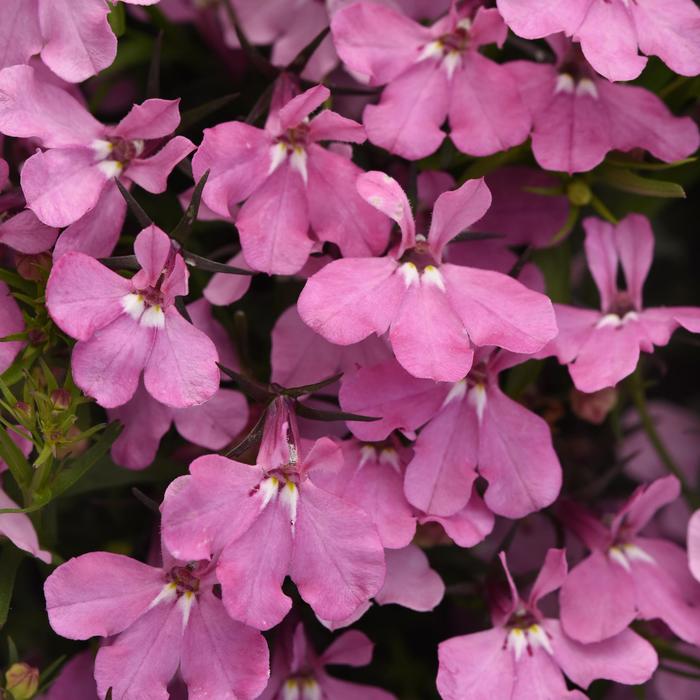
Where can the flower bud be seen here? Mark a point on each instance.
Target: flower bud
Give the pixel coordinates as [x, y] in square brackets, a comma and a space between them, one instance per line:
[595, 407]
[60, 398]
[34, 268]
[22, 681]
[579, 193]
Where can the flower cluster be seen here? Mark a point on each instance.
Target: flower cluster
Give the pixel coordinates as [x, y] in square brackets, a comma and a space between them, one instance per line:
[381, 264]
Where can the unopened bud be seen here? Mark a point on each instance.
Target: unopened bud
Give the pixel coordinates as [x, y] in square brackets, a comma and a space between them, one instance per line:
[595, 407]
[579, 193]
[34, 268]
[22, 681]
[60, 398]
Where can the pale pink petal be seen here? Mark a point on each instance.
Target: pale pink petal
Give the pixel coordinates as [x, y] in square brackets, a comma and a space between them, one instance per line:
[152, 248]
[338, 559]
[351, 298]
[108, 365]
[469, 526]
[344, 690]
[26, 234]
[439, 478]
[331, 126]
[576, 326]
[456, 211]
[84, 296]
[635, 244]
[337, 213]
[377, 41]
[31, 108]
[537, 83]
[274, 224]
[221, 658]
[410, 582]
[238, 157]
[152, 173]
[408, 119]
[11, 322]
[62, 184]
[534, 19]
[488, 27]
[486, 112]
[20, 34]
[151, 119]
[142, 660]
[602, 257]
[352, 648]
[100, 594]
[540, 678]
[18, 528]
[597, 599]
[645, 502]
[498, 310]
[551, 575]
[181, 371]
[694, 544]
[299, 107]
[388, 392]
[516, 457]
[223, 289]
[75, 680]
[476, 666]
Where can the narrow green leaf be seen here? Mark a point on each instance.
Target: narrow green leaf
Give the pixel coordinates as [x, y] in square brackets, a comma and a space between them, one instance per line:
[117, 18]
[153, 84]
[10, 560]
[627, 181]
[329, 416]
[184, 227]
[212, 266]
[134, 206]
[192, 117]
[296, 391]
[641, 165]
[15, 460]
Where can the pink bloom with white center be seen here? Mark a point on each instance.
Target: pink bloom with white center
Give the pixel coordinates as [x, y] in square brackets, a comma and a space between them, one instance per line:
[299, 673]
[602, 347]
[296, 190]
[126, 327]
[628, 576]
[271, 520]
[73, 37]
[435, 312]
[432, 73]
[469, 428]
[612, 32]
[71, 183]
[527, 655]
[578, 117]
[160, 619]
[11, 323]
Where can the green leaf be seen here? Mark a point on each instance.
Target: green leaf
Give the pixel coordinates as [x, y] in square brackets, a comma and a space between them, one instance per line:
[184, 227]
[193, 116]
[555, 264]
[641, 165]
[329, 416]
[15, 460]
[10, 560]
[134, 206]
[627, 181]
[521, 377]
[117, 18]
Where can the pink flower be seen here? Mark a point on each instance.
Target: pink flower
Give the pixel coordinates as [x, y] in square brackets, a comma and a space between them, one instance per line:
[73, 36]
[298, 673]
[159, 619]
[578, 117]
[128, 326]
[694, 544]
[291, 184]
[526, 652]
[628, 576]
[602, 347]
[435, 312]
[469, 428]
[11, 323]
[71, 183]
[328, 546]
[76, 680]
[432, 73]
[612, 33]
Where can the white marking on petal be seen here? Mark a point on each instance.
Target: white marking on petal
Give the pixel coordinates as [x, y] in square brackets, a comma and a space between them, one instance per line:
[133, 305]
[153, 317]
[587, 87]
[635, 553]
[538, 638]
[618, 556]
[138, 145]
[410, 273]
[277, 155]
[431, 275]
[289, 497]
[565, 83]
[185, 603]
[451, 62]
[517, 642]
[311, 690]
[110, 168]
[477, 398]
[630, 316]
[367, 453]
[168, 593]
[432, 50]
[102, 148]
[465, 23]
[609, 320]
[268, 489]
[456, 393]
[298, 162]
[291, 690]
[390, 456]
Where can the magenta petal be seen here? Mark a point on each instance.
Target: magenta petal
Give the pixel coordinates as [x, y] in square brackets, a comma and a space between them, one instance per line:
[625, 658]
[551, 575]
[25, 233]
[439, 478]
[645, 502]
[151, 119]
[83, 296]
[100, 594]
[602, 257]
[18, 528]
[253, 567]
[224, 289]
[352, 648]
[597, 599]
[694, 544]
[221, 658]
[142, 660]
[330, 126]
[338, 559]
[181, 371]
[635, 245]
[11, 322]
[152, 173]
[152, 248]
[469, 526]
[476, 666]
[75, 680]
[534, 19]
[20, 34]
[299, 107]
[351, 298]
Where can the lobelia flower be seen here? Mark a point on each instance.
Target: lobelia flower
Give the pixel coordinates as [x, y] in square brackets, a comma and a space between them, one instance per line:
[527, 655]
[294, 188]
[435, 312]
[578, 117]
[71, 183]
[11, 323]
[159, 619]
[73, 37]
[432, 73]
[328, 546]
[126, 327]
[213, 424]
[628, 576]
[612, 32]
[469, 428]
[622, 327]
[299, 673]
[694, 544]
